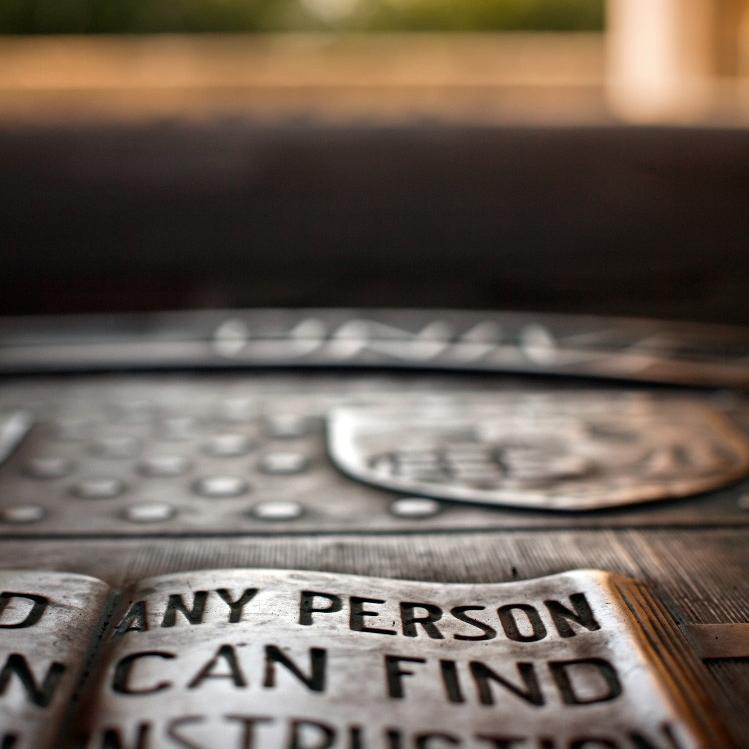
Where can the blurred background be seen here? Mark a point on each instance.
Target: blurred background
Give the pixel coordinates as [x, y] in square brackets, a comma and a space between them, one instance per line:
[558, 155]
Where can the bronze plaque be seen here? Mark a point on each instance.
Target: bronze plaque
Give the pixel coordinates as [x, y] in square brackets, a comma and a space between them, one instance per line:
[562, 450]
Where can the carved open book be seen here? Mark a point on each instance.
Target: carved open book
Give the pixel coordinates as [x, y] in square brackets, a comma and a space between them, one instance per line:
[267, 659]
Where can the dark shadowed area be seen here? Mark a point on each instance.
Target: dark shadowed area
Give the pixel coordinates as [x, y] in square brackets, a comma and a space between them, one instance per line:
[619, 220]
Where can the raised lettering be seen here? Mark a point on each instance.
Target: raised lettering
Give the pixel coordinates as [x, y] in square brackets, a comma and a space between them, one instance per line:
[38, 607]
[134, 620]
[459, 612]
[247, 740]
[394, 673]
[307, 606]
[124, 667]
[226, 655]
[561, 673]
[193, 614]
[451, 681]
[582, 614]
[426, 740]
[111, 738]
[236, 607]
[358, 613]
[530, 692]
[316, 679]
[38, 694]
[324, 738]
[501, 742]
[409, 619]
[510, 625]
[176, 723]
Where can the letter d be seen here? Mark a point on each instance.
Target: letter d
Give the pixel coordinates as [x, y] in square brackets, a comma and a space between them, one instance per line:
[39, 604]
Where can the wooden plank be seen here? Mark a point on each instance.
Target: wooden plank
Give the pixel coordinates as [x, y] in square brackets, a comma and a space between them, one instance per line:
[719, 641]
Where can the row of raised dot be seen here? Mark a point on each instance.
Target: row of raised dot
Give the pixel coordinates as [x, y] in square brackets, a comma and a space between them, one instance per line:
[415, 507]
[48, 467]
[119, 448]
[169, 465]
[277, 510]
[72, 430]
[276, 426]
[272, 510]
[20, 514]
[283, 463]
[237, 410]
[149, 512]
[208, 486]
[286, 426]
[164, 466]
[221, 486]
[155, 512]
[229, 445]
[220, 445]
[99, 488]
[178, 428]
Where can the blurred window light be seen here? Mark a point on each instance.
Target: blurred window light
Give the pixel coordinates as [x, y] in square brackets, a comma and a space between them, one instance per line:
[382, 60]
[677, 60]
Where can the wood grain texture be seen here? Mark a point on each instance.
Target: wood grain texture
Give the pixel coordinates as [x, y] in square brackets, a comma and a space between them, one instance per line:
[700, 575]
[720, 641]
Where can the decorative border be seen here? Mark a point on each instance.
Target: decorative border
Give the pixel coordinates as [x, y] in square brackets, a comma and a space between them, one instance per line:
[612, 348]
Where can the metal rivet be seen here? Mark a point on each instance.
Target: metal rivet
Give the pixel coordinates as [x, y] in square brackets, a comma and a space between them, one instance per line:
[72, 430]
[283, 463]
[177, 428]
[277, 510]
[228, 445]
[149, 512]
[415, 507]
[236, 410]
[286, 426]
[163, 466]
[99, 488]
[48, 467]
[119, 448]
[220, 486]
[20, 514]
[133, 412]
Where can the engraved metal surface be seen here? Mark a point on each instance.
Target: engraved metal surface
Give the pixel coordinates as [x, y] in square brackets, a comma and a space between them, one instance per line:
[48, 623]
[651, 351]
[138, 444]
[566, 451]
[279, 659]
[212, 453]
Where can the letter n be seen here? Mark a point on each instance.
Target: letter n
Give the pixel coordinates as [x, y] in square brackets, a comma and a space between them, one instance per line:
[582, 614]
[530, 692]
[38, 694]
[194, 614]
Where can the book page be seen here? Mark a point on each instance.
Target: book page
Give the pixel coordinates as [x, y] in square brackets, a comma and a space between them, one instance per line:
[252, 659]
[49, 623]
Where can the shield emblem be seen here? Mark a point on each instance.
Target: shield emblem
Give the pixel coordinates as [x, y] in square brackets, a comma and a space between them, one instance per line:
[559, 451]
